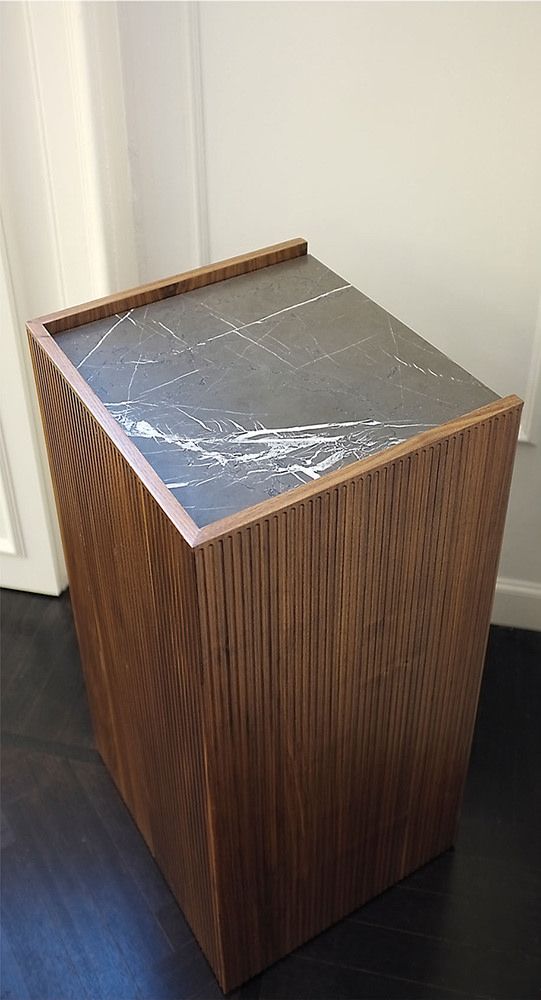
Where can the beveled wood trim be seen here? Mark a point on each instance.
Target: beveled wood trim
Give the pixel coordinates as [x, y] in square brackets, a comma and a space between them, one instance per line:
[67, 319]
[234, 522]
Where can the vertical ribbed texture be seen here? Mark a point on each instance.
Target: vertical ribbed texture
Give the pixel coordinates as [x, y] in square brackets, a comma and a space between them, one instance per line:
[343, 643]
[132, 583]
[287, 708]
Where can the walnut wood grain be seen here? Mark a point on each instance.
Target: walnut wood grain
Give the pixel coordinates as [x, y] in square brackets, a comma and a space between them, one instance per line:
[343, 640]
[67, 319]
[285, 698]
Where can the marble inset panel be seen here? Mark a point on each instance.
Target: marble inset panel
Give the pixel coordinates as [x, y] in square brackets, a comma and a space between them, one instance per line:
[241, 390]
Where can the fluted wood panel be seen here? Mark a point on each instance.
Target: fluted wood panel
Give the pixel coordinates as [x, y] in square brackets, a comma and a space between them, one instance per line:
[285, 698]
[132, 583]
[343, 642]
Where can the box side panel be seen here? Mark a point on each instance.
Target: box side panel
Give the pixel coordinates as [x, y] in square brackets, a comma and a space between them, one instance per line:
[343, 642]
[133, 591]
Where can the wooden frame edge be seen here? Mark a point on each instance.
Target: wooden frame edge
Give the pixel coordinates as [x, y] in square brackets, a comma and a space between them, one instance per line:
[87, 312]
[197, 537]
[307, 491]
[44, 329]
[129, 451]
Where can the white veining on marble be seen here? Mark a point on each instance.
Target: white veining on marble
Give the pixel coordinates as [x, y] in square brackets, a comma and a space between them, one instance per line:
[279, 312]
[275, 451]
[263, 319]
[168, 329]
[340, 350]
[170, 382]
[243, 409]
[120, 319]
[427, 371]
[298, 305]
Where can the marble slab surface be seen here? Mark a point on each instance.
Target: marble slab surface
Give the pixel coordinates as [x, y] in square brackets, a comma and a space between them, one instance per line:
[241, 390]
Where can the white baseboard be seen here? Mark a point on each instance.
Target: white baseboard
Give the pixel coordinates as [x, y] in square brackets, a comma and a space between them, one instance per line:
[517, 603]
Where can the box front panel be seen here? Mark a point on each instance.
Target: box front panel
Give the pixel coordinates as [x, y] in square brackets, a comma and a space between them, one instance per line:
[133, 591]
[343, 644]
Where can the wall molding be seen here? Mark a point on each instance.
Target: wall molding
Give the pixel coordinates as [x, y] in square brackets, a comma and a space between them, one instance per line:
[75, 67]
[81, 84]
[44, 146]
[196, 122]
[30, 544]
[517, 603]
[529, 433]
[98, 89]
[11, 539]
[72, 125]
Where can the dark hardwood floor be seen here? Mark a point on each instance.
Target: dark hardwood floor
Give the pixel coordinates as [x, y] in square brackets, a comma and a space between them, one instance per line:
[86, 913]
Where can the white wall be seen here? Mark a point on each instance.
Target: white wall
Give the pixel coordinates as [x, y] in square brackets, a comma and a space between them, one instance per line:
[403, 141]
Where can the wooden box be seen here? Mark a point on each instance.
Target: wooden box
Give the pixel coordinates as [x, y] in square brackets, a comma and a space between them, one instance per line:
[281, 512]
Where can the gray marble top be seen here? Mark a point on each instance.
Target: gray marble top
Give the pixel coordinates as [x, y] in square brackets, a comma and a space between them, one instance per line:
[241, 390]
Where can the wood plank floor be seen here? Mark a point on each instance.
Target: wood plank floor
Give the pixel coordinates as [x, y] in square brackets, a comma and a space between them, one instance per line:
[86, 913]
